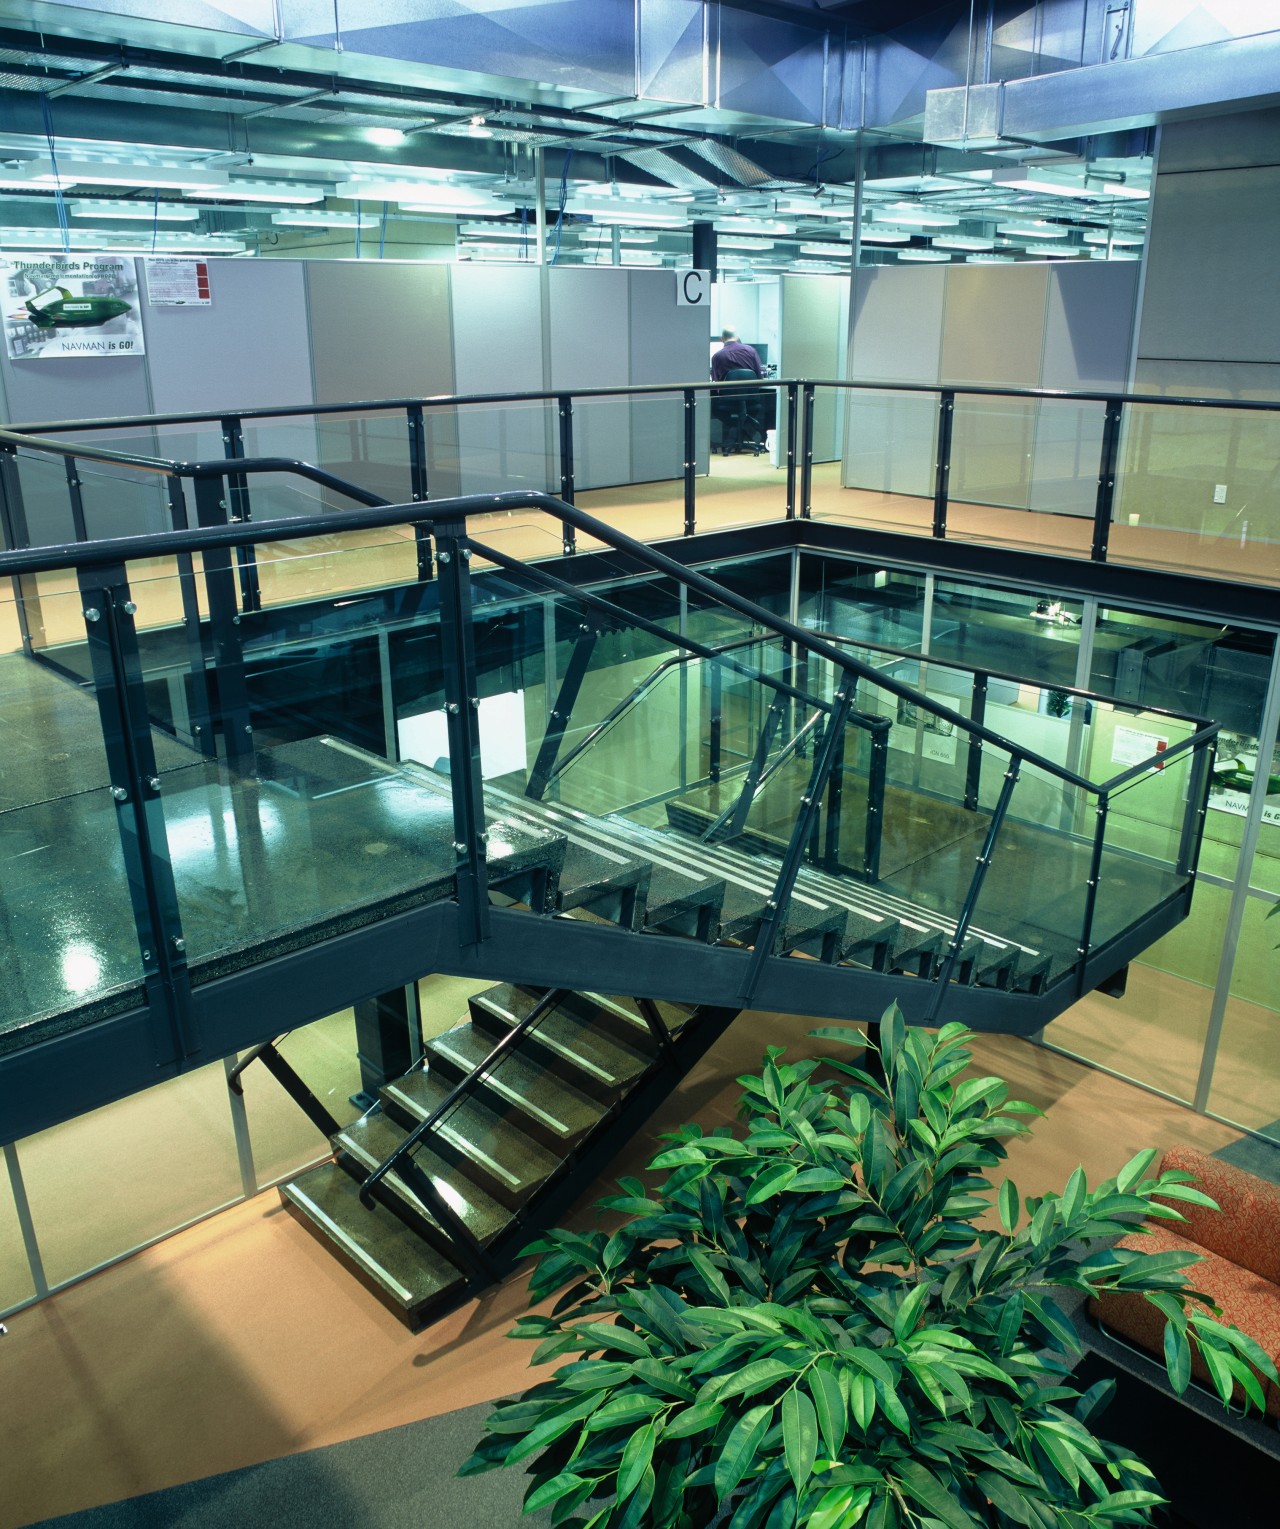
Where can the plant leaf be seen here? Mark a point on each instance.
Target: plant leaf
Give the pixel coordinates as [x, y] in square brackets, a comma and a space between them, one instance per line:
[799, 1436]
[829, 1404]
[740, 1447]
[862, 1399]
[1009, 1205]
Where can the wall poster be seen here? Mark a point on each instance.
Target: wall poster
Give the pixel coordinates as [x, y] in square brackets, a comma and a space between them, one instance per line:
[69, 305]
[177, 282]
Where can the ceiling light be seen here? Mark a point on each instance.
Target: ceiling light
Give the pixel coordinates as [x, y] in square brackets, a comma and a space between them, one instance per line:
[728, 243]
[884, 236]
[267, 191]
[922, 255]
[639, 216]
[913, 216]
[111, 172]
[146, 212]
[304, 219]
[1033, 230]
[1051, 184]
[989, 259]
[476, 129]
[1117, 254]
[430, 193]
[1102, 236]
[836, 252]
[752, 226]
[386, 137]
[961, 242]
[1060, 250]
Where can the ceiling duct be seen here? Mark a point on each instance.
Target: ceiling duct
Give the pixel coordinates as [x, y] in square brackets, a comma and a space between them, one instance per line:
[496, 132]
[665, 167]
[729, 162]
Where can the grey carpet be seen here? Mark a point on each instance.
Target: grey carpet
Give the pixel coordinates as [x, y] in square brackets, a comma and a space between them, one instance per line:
[1257, 1157]
[404, 1478]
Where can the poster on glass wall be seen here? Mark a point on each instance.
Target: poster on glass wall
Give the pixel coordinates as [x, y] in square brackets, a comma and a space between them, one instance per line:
[68, 305]
[1235, 773]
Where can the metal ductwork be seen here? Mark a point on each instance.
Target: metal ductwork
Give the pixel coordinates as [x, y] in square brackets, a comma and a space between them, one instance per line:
[667, 168]
[1234, 75]
[733, 164]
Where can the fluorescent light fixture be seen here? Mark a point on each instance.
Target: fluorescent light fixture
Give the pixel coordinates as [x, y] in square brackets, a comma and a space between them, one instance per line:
[1046, 182]
[923, 256]
[884, 236]
[1033, 230]
[989, 259]
[728, 243]
[144, 212]
[385, 137]
[914, 217]
[1062, 251]
[112, 172]
[1115, 254]
[304, 219]
[639, 217]
[267, 191]
[752, 226]
[432, 195]
[961, 242]
[835, 252]
[1101, 236]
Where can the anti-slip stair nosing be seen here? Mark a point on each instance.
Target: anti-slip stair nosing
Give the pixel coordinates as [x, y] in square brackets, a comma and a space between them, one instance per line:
[350, 1247]
[469, 1150]
[491, 1080]
[562, 1049]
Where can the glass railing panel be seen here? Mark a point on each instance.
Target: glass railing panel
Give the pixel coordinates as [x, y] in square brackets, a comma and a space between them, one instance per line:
[1197, 489]
[1034, 894]
[743, 477]
[492, 448]
[889, 461]
[350, 562]
[629, 463]
[275, 496]
[366, 448]
[1147, 846]
[46, 503]
[64, 894]
[1039, 455]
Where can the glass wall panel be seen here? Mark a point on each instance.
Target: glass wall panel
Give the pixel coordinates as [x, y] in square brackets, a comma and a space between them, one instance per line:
[124, 1174]
[1246, 1075]
[16, 1284]
[1155, 1033]
[371, 450]
[323, 1055]
[1034, 636]
[862, 603]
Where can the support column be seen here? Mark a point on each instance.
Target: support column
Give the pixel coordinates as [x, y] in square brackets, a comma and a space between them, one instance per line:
[388, 1039]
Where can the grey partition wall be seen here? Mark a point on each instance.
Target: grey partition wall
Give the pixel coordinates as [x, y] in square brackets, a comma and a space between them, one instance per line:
[896, 327]
[667, 344]
[497, 348]
[813, 323]
[250, 348]
[379, 329]
[589, 342]
[1028, 325]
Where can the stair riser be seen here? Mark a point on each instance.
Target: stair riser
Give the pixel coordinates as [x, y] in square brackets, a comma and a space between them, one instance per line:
[416, 1219]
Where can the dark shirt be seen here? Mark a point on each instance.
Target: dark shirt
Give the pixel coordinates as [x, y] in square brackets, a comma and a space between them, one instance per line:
[732, 357]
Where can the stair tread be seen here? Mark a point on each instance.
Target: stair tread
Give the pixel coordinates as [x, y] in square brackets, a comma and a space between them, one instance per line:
[374, 1137]
[484, 1137]
[524, 1085]
[407, 1269]
[573, 1037]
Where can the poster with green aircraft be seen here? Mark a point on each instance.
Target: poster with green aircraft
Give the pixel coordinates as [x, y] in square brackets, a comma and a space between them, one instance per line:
[71, 306]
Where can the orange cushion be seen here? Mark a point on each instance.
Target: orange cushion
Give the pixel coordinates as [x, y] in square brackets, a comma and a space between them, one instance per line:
[1247, 1228]
[1248, 1301]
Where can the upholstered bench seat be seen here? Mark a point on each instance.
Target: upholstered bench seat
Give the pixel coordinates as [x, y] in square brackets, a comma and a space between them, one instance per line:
[1240, 1268]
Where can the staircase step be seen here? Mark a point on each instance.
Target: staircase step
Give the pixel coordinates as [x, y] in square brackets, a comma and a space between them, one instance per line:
[403, 1270]
[485, 1145]
[575, 1044]
[548, 1110]
[618, 1017]
[372, 1138]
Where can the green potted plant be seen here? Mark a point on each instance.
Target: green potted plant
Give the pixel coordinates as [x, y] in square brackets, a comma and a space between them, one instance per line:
[803, 1325]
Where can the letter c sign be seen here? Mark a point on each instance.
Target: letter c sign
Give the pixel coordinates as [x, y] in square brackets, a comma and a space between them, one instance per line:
[692, 288]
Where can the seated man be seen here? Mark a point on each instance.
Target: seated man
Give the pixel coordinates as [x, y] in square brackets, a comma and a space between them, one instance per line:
[733, 356]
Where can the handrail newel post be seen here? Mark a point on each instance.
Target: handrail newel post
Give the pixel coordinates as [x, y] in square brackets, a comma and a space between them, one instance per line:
[224, 628]
[942, 465]
[134, 788]
[203, 735]
[418, 484]
[1104, 504]
[462, 718]
[793, 420]
[806, 459]
[564, 407]
[17, 535]
[241, 511]
[1091, 892]
[690, 461]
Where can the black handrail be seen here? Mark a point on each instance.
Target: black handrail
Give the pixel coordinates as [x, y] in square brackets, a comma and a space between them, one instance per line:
[461, 400]
[501, 1047]
[125, 548]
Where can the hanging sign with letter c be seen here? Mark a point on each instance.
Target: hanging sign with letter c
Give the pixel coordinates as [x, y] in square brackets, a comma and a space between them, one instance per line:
[692, 288]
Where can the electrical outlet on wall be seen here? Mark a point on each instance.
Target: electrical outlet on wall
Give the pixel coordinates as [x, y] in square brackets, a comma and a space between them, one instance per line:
[1219, 493]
